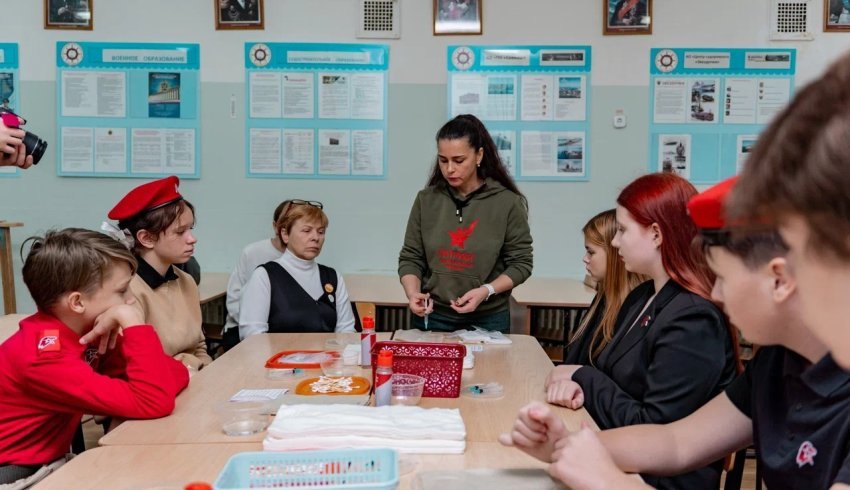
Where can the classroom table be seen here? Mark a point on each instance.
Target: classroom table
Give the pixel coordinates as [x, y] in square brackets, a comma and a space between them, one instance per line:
[380, 289]
[173, 466]
[7, 275]
[521, 368]
[213, 286]
[9, 325]
[552, 293]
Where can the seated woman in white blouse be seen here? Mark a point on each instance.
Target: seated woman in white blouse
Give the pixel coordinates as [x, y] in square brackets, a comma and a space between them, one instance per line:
[295, 293]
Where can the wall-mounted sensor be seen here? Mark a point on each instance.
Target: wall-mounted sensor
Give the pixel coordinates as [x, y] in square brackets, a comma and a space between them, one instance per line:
[619, 119]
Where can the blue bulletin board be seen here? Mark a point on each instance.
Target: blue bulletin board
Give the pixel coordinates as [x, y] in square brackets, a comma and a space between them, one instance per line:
[128, 109]
[10, 85]
[534, 100]
[316, 111]
[708, 105]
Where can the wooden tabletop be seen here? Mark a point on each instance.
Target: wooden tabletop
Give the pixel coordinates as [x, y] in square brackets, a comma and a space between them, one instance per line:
[213, 285]
[384, 290]
[553, 292]
[173, 466]
[521, 367]
[9, 325]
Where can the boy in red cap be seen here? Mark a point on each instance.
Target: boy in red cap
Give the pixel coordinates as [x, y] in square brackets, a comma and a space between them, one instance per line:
[49, 373]
[157, 223]
[791, 401]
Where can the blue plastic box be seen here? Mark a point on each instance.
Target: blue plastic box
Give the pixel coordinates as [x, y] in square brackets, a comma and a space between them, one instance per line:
[327, 469]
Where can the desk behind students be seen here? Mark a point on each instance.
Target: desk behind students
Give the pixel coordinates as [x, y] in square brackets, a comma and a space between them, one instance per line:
[380, 289]
[213, 286]
[549, 292]
[9, 325]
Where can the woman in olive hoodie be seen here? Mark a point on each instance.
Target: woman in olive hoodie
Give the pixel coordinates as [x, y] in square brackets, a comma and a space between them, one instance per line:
[467, 242]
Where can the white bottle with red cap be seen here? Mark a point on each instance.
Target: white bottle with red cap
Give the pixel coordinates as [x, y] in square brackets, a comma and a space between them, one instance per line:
[383, 381]
[367, 341]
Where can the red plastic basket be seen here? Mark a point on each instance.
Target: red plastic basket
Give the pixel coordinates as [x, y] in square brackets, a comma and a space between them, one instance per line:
[440, 364]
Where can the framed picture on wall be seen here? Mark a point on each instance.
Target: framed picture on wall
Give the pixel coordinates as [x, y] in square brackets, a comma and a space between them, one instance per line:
[68, 14]
[626, 17]
[457, 17]
[238, 14]
[836, 15]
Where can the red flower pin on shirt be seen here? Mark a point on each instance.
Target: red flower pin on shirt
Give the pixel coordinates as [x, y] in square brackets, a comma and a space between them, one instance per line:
[806, 454]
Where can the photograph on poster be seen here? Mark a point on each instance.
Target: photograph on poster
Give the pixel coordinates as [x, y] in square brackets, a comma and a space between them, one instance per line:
[570, 154]
[7, 88]
[627, 16]
[457, 17]
[836, 15]
[703, 101]
[68, 14]
[164, 95]
[569, 87]
[744, 147]
[674, 154]
[238, 14]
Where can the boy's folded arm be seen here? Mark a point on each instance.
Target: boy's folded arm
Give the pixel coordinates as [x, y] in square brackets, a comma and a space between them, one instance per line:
[153, 380]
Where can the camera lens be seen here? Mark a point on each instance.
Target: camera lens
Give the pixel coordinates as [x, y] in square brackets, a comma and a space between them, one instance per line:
[35, 146]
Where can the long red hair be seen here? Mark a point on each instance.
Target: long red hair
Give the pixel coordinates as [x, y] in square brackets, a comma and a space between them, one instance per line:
[662, 198]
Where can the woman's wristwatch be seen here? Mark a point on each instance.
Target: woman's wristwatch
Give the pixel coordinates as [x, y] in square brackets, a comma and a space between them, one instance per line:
[490, 290]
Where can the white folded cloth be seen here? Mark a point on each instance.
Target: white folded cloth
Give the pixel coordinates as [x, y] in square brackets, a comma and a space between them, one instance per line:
[404, 428]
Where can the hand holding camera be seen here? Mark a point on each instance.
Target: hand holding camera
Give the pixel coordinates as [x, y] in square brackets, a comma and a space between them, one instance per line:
[18, 147]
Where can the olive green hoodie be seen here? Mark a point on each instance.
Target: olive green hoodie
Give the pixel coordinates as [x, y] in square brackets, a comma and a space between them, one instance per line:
[456, 244]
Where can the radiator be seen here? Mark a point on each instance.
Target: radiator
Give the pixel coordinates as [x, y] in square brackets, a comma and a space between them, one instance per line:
[553, 326]
[392, 318]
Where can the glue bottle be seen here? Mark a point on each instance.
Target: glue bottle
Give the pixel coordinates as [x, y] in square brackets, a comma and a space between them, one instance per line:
[367, 341]
[383, 381]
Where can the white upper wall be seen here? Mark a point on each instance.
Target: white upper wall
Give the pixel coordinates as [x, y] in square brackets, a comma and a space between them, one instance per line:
[418, 57]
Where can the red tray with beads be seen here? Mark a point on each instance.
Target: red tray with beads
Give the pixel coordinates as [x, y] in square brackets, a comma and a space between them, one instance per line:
[440, 364]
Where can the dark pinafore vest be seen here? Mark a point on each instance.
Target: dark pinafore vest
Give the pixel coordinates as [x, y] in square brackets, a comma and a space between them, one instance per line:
[292, 310]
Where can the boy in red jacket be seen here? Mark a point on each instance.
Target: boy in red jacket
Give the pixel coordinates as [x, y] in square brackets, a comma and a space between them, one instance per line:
[48, 368]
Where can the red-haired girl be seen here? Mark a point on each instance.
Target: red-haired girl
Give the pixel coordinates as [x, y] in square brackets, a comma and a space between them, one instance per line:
[673, 350]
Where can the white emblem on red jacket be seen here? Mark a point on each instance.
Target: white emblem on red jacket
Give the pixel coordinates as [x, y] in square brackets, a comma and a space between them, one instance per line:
[806, 454]
[47, 341]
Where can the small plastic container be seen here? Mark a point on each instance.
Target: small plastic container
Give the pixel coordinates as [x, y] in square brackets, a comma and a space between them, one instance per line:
[407, 389]
[243, 418]
[334, 366]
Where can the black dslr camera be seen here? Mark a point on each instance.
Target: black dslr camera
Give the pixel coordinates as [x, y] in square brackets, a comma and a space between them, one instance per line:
[34, 145]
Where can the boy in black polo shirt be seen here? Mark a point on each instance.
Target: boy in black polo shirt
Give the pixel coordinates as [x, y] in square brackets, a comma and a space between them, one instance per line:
[792, 401]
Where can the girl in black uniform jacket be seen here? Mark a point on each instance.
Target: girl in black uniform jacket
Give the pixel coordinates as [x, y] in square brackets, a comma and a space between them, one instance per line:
[673, 350]
[613, 284]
